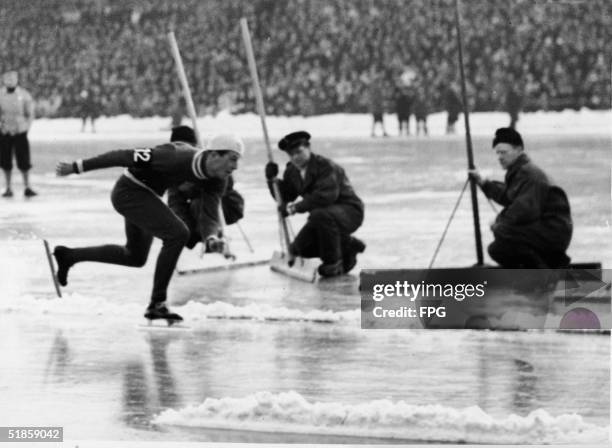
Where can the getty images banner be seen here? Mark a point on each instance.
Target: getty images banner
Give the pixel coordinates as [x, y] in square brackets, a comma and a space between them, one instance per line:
[476, 298]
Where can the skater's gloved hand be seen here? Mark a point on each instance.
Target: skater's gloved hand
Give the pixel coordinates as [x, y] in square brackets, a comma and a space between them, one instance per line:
[64, 169]
[282, 209]
[271, 170]
[215, 244]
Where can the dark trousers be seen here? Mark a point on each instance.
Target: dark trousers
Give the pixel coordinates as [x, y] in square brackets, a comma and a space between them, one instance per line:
[146, 216]
[18, 145]
[327, 232]
[512, 254]
[403, 122]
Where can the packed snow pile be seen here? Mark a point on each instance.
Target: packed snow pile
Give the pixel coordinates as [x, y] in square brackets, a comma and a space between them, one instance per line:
[291, 412]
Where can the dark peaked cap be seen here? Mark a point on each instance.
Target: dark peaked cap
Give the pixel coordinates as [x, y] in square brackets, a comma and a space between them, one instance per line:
[294, 139]
[508, 135]
[183, 134]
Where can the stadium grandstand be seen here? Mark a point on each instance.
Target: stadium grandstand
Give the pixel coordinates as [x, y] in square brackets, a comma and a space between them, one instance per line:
[315, 56]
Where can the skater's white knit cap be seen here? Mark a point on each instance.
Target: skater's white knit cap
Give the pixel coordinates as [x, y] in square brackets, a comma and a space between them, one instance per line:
[226, 142]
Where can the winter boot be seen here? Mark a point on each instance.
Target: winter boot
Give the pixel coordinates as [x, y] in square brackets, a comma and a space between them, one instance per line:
[331, 269]
[64, 263]
[349, 257]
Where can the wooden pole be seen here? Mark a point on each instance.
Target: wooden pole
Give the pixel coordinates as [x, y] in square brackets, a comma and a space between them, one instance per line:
[262, 116]
[192, 114]
[180, 69]
[468, 138]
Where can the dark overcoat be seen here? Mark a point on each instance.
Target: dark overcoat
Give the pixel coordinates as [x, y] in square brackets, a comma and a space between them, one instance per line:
[536, 211]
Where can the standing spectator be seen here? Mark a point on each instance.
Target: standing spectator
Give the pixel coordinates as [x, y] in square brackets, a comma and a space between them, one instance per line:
[90, 108]
[16, 117]
[421, 110]
[514, 104]
[377, 106]
[453, 106]
[403, 108]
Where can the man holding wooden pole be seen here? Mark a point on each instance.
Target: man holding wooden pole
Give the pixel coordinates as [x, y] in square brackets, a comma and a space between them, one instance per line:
[534, 229]
[335, 211]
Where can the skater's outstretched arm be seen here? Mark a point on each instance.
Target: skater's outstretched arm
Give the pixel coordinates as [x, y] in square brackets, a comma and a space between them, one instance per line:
[119, 157]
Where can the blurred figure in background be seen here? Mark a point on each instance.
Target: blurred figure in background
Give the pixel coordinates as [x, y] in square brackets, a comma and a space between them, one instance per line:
[453, 105]
[514, 103]
[421, 110]
[90, 108]
[16, 117]
[377, 106]
[403, 108]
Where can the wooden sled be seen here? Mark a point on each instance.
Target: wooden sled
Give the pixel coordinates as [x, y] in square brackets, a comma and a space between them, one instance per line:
[304, 269]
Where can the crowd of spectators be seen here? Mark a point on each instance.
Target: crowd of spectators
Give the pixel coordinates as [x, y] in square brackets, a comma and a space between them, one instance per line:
[314, 56]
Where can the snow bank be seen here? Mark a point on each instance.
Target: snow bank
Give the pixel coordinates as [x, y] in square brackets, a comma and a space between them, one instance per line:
[291, 413]
[77, 305]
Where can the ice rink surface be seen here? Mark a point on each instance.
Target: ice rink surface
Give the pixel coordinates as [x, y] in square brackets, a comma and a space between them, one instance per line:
[269, 359]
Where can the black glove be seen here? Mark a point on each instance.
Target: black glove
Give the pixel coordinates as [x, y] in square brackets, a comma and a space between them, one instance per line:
[271, 170]
[283, 210]
[474, 175]
[215, 244]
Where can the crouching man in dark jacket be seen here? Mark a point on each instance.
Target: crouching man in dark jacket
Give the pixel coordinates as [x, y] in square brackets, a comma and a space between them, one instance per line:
[316, 185]
[535, 227]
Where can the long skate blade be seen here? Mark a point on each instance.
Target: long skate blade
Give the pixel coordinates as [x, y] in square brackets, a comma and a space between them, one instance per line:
[164, 325]
[58, 291]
